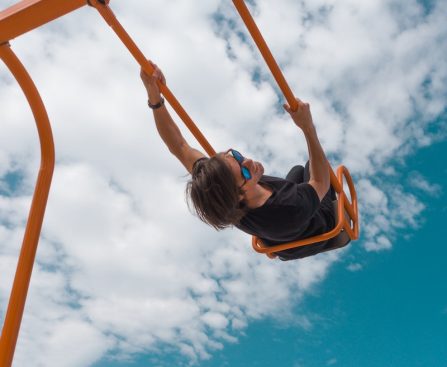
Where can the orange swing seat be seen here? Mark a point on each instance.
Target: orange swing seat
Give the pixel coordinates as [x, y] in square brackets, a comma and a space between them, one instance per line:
[345, 230]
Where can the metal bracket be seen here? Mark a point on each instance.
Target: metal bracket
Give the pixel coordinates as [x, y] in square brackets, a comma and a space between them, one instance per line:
[103, 2]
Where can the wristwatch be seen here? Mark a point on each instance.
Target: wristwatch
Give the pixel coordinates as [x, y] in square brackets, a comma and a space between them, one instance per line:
[158, 105]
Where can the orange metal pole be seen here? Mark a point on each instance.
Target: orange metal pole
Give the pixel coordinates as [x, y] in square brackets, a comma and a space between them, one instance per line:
[273, 65]
[265, 51]
[29, 14]
[113, 22]
[14, 313]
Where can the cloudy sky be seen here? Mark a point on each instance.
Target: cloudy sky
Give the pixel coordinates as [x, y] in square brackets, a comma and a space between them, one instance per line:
[124, 275]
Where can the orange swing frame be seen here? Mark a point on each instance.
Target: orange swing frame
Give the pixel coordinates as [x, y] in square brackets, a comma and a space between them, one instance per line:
[30, 14]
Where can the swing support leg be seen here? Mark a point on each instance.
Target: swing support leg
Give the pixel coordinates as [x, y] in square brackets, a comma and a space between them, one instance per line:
[14, 313]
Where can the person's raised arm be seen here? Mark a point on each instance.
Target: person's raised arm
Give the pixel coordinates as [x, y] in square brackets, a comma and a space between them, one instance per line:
[166, 126]
[319, 166]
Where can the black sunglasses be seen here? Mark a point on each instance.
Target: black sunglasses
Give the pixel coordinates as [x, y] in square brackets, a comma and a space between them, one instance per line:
[239, 159]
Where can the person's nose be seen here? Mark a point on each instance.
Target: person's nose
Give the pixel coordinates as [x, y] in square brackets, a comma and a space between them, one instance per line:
[248, 163]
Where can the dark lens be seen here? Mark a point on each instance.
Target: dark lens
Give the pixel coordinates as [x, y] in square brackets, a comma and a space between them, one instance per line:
[238, 156]
[246, 173]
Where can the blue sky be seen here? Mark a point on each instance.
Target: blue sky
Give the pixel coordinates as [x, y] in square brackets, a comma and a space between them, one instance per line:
[391, 313]
[125, 276]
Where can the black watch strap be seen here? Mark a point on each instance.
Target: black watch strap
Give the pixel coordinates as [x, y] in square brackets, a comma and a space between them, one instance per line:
[158, 105]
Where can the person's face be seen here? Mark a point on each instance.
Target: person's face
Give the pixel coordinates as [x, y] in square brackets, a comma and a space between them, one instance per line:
[255, 169]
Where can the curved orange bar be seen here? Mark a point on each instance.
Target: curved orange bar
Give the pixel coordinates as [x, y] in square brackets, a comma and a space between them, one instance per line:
[25, 264]
[353, 208]
[113, 22]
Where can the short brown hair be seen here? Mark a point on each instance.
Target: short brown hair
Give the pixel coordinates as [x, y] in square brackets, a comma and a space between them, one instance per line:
[214, 193]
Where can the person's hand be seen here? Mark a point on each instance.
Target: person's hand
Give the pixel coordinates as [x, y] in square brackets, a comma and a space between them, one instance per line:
[151, 85]
[301, 116]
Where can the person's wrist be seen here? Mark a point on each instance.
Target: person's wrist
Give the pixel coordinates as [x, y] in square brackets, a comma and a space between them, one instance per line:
[154, 98]
[308, 129]
[155, 106]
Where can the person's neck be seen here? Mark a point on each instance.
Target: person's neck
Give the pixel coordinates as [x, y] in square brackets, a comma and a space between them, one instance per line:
[257, 196]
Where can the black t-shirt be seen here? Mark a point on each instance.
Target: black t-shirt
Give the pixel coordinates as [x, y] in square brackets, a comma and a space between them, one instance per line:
[291, 213]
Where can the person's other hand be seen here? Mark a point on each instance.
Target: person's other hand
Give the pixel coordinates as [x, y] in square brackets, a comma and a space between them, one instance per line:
[301, 116]
[151, 83]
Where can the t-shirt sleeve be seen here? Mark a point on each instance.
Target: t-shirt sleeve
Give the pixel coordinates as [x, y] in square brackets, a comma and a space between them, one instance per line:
[307, 200]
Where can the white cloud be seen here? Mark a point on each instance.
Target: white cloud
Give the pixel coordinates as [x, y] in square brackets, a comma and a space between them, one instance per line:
[419, 182]
[380, 243]
[385, 212]
[122, 264]
[354, 267]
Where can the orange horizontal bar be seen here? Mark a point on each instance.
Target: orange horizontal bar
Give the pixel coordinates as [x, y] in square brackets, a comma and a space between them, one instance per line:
[29, 14]
[14, 313]
[113, 22]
